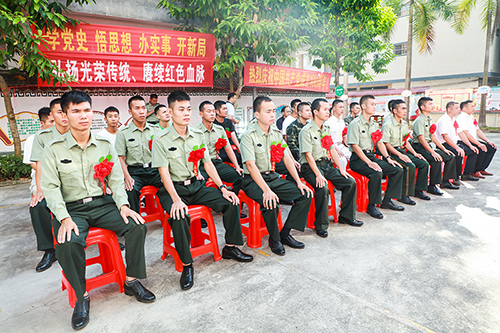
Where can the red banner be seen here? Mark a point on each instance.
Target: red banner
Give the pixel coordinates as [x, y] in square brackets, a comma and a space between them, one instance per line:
[262, 75]
[114, 56]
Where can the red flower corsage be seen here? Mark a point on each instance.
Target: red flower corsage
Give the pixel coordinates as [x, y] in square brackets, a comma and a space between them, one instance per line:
[151, 143]
[376, 136]
[433, 128]
[475, 122]
[221, 143]
[327, 142]
[344, 131]
[103, 169]
[277, 153]
[228, 132]
[405, 139]
[455, 124]
[195, 156]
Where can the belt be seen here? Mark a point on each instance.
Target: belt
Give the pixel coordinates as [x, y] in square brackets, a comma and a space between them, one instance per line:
[140, 166]
[267, 173]
[323, 160]
[86, 200]
[185, 182]
[368, 152]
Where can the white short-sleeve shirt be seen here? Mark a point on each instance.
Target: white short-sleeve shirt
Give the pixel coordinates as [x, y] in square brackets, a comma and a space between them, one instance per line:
[466, 123]
[28, 147]
[336, 127]
[445, 125]
[107, 135]
[230, 109]
[288, 120]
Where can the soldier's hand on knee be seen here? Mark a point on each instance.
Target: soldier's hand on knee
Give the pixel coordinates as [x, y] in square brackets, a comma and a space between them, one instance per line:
[126, 212]
[230, 196]
[37, 198]
[375, 166]
[437, 157]
[129, 183]
[200, 177]
[305, 190]
[179, 210]
[320, 181]
[449, 152]
[475, 150]
[67, 225]
[270, 199]
[405, 158]
[420, 156]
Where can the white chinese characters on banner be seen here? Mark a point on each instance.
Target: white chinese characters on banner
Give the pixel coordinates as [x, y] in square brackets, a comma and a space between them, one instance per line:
[99, 71]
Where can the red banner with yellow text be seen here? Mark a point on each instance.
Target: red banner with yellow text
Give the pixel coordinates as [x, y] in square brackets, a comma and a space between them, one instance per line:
[116, 56]
[262, 75]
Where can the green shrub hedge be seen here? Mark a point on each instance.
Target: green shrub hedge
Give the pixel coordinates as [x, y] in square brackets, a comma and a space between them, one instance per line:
[13, 168]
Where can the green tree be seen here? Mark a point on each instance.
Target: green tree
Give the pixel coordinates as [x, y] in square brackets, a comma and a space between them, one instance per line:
[347, 34]
[489, 17]
[245, 30]
[21, 26]
[423, 15]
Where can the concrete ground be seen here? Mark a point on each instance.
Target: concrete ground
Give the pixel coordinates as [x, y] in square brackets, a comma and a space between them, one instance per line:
[433, 268]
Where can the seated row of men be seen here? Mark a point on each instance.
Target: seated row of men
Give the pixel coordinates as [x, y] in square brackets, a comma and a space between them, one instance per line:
[74, 170]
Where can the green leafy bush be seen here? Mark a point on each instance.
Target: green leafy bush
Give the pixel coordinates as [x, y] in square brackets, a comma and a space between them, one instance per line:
[13, 168]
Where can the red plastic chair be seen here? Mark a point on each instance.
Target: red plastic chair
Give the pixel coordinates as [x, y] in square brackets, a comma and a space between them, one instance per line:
[110, 259]
[253, 226]
[332, 208]
[152, 210]
[198, 237]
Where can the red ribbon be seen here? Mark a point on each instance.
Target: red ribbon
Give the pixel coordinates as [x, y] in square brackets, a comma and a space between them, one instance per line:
[405, 139]
[344, 131]
[102, 170]
[455, 124]
[376, 136]
[475, 122]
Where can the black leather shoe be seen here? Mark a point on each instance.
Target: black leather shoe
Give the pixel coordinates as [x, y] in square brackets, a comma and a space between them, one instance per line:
[373, 211]
[469, 177]
[432, 189]
[81, 317]
[389, 204]
[322, 233]
[135, 288]
[47, 260]
[406, 200]
[354, 223]
[187, 277]
[234, 253]
[422, 195]
[276, 247]
[449, 186]
[456, 182]
[292, 242]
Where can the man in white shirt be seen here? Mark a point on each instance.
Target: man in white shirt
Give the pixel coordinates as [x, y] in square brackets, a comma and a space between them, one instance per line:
[112, 118]
[40, 214]
[231, 112]
[291, 118]
[469, 134]
[337, 125]
[447, 134]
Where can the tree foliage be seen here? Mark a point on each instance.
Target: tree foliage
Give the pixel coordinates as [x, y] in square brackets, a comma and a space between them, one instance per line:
[348, 33]
[245, 29]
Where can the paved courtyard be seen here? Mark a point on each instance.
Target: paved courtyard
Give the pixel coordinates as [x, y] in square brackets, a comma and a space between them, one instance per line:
[433, 268]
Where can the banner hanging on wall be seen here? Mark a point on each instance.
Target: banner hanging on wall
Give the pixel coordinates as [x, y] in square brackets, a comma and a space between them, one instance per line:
[268, 76]
[117, 56]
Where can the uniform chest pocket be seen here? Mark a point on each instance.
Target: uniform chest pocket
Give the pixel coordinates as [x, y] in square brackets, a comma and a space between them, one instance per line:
[134, 149]
[69, 173]
[260, 151]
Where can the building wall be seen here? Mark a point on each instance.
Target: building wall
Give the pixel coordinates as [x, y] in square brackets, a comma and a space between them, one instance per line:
[456, 60]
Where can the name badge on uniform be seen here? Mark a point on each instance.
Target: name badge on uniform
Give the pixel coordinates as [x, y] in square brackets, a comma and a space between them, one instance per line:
[259, 144]
[315, 138]
[66, 161]
[172, 148]
[132, 139]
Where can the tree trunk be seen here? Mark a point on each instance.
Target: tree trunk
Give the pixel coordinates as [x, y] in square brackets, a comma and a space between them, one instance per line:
[231, 83]
[409, 55]
[482, 112]
[11, 117]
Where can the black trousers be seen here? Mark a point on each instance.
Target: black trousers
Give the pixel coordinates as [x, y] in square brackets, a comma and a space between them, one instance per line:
[346, 185]
[225, 158]
[226, 173]
[394, 186]
[470, 164]
[197, 194]
[100, 213]
[410, 185]
[40, 219]
[450, 171]
[285, 190]
[142, 177]
[484, 158]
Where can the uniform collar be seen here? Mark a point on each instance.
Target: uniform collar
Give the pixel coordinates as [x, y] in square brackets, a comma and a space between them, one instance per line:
[363, 120]
[204, 129]
[135, 128]
[316, 127]
[71, 142]
[395, 122]
[170, 130]
[260, 132]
